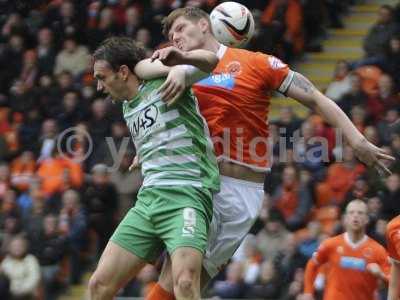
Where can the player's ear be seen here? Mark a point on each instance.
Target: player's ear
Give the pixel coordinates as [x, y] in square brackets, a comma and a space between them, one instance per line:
[204, 25]
[124, 72]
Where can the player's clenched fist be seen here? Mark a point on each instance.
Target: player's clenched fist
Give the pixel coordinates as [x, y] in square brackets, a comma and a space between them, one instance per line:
[169, 56]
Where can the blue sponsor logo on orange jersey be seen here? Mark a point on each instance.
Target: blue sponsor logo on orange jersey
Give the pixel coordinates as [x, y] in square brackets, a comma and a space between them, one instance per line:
[223, 80]
[354, 263]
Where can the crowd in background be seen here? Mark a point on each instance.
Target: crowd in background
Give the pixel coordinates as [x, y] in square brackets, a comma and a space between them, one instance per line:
[61, 198]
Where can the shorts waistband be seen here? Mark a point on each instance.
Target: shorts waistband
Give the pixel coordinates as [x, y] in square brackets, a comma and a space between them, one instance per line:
[227, 179]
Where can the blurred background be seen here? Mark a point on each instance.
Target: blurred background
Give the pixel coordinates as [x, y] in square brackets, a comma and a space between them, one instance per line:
[60, 200]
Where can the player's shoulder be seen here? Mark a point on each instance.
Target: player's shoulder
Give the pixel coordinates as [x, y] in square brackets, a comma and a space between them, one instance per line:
[244, 54]
[394, 224]
[378, 248]
[333, 241]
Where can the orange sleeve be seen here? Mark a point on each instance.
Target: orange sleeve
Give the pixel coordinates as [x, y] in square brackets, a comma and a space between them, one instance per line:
[294, 18]
[268, 13]
[393, 240]
[384, 263]
[270, 69]
[76, 174]
[309, 276]
[320, 257]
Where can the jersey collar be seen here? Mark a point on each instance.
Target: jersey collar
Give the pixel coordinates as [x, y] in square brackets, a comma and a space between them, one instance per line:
[221, 51]
[352, 244]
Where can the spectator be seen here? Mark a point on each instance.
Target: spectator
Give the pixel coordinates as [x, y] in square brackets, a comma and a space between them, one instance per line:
[340, 178]
[47, 139]
[271, 239]
[29, 130]
[288, 260]
[22, 171]
[46, 51]
[13, 51]
[100, 200]
[30, 69]
[105, 150]
[143, 37]
[72, 111]
[4, 179]
[73, 58]
[64, 19]
[21, 99]
[292, 199]
[341, 83]
[386, 99]
[127, 184]
[358, 116]
[14, 25]
[147, 277]
[380, 33]
[59, 173]
[311, 150]
[283, 21]
[49, 248]
[268, 285]
[33, 218]
[25, 200]
[390, 196]
[22, 269]
[385, 126]
[391, 63]
[133, 21]
[287, 125]
[355, 95]
[250, 258]
[233, 286]
[153, 14]
[105, 28]
[359, 190]
[73, 225]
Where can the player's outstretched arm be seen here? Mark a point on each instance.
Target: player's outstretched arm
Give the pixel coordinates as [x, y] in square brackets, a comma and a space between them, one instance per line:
[171, 56]
[310, 274]
[393, 293]
[302, 90]
[147, 69]
[159, 65]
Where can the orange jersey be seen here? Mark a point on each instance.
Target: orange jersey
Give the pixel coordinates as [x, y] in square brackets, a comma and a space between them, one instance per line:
[234, 100]
[393, 239]
[347, 277]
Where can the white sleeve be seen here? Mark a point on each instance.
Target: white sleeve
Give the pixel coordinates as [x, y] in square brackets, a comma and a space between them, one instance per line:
[193, 74]
[286, 83]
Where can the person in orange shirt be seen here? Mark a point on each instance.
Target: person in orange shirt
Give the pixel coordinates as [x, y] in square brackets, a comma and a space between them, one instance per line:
[340, 178]
[234, 100]
[393, 247]
[356, 262]
[282, 22]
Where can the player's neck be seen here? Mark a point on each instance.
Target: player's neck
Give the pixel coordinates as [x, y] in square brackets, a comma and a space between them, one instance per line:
[355, 236]
[211, 44]
[132, 87]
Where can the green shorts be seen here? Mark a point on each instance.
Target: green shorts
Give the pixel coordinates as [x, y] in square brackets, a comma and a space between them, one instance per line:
[171, 216]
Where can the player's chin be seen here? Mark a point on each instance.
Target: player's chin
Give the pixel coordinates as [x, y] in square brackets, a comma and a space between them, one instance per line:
[112, 99]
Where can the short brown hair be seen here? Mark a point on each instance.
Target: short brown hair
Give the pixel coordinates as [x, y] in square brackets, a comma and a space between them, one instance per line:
[190, 13]
[118, 51]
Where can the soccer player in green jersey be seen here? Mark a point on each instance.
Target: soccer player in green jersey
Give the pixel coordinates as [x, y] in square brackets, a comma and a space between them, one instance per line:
[174, 205]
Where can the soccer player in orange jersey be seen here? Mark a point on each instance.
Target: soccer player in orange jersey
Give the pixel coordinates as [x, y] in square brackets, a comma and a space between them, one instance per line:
[235, 104]
[393, 246]
[356, 262]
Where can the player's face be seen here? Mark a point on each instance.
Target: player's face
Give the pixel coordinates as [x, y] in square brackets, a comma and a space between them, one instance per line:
[356, 217]
[109, 81]
[186, 34]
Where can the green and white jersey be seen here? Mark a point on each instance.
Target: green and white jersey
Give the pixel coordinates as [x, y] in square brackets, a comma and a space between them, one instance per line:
[173, 143]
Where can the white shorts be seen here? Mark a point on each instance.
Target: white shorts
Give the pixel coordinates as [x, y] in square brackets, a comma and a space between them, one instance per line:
[236, 208]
